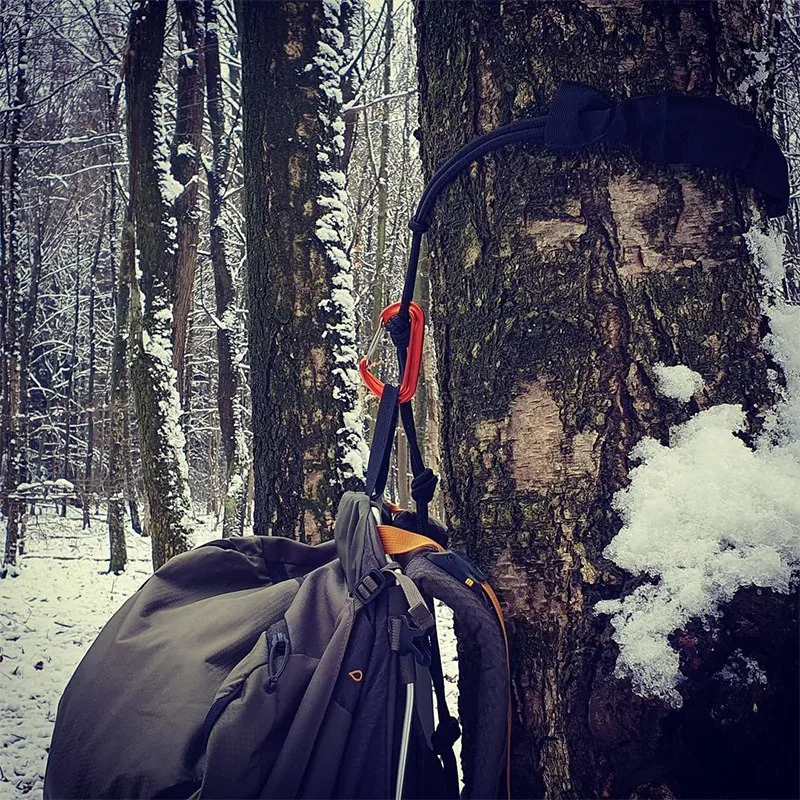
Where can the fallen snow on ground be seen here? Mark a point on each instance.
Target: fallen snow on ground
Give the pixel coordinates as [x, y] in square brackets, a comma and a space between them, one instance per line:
[50, 615]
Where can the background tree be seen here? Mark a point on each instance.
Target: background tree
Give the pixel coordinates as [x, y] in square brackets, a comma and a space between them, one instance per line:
[154, 191]
[307, 432]
[231, 345]
[558, 283]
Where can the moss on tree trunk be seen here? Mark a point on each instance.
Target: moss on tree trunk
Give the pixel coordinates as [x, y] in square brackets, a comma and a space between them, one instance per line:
[557, 283]
[302, 352]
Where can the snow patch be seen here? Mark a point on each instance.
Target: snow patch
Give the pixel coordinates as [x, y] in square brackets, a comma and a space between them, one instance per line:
[678, 382]
[709, 515]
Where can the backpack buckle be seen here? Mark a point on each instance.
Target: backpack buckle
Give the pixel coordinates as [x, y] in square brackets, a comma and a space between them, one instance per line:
[411, 640]
[370, 586]
[461, 568]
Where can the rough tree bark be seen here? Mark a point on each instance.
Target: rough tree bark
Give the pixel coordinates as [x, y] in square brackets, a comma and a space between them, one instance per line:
[230, 340]
[185, 165]
[557, 283]
[119, 390]
[11, 354]
[152, 192]
[307, 438]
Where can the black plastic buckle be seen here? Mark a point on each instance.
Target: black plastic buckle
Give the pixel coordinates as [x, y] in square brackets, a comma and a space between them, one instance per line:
[370, 586]
[461, 568]
[416, 642]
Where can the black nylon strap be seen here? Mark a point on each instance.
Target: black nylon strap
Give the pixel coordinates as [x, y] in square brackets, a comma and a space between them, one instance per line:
[667, 129]
[672, 129]
[382, 440]
[447, 730]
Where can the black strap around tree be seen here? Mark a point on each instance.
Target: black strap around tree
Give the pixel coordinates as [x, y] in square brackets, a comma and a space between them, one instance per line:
[665, 129]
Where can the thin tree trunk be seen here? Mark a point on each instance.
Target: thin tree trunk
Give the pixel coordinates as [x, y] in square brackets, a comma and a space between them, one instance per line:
[132, 494]
[230, 342]
[185, 166]
[90, 410]
[162, 442]
[119, 393]
[12, 506]
[307, 429]
[69, 401]
[558, 282]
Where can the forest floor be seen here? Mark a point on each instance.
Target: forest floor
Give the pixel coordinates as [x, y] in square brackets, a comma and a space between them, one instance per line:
[50, 615]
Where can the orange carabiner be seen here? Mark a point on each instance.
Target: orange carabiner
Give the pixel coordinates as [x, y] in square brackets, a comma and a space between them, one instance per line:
[413, 356]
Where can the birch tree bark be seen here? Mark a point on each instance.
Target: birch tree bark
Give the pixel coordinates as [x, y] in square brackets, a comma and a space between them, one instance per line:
[153, 191]
[557, 284]
[307, 433]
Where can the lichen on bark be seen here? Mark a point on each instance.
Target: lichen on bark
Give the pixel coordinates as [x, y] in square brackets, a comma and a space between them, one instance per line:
[557, 283]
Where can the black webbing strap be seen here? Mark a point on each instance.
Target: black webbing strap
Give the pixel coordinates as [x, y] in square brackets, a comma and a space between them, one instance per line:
[672, 129]
[382, 441]
[665, 129]
[447, 730]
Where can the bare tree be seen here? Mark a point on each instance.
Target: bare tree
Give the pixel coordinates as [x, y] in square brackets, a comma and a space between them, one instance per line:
[559, 284]
[307, 430]
[153, 192]
[10, 306]
[230, 341]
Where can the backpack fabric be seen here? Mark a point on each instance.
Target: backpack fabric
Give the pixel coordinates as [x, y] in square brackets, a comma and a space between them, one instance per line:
[262, 667]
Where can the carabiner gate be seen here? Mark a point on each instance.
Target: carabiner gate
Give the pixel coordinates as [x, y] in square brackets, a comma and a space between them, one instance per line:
[413, 357]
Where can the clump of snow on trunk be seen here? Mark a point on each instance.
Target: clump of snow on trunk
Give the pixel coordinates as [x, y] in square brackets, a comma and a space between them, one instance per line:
[678, 382]
[330, 61]
[709, 515]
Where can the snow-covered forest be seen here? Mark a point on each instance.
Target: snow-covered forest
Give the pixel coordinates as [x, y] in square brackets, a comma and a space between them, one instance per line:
[205, 208]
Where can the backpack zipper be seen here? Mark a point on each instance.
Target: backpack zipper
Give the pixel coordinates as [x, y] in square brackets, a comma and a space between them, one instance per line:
[279, 651]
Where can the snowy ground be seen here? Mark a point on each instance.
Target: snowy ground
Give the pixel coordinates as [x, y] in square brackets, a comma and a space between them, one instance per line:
[50, 615]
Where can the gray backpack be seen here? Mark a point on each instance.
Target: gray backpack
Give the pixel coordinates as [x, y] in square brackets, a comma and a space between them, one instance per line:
[262, 667]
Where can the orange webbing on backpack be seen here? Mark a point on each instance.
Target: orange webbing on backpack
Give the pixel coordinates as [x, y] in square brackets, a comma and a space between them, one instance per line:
[397, 541]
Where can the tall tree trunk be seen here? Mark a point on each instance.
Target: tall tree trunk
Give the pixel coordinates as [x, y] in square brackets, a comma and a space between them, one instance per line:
[119, 392]
[152, 192]
[185, 166]
[13, 444]
[90, 409]
[230, 341]
[307, 432]
[557, 283]
[67, 469]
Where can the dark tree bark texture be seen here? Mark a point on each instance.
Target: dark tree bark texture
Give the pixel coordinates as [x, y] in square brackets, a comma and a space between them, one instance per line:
[185, 165]
[153, 379]
[557, 283]
[297, 411]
